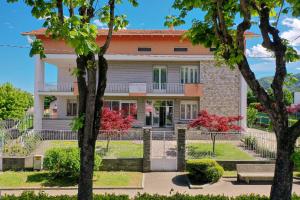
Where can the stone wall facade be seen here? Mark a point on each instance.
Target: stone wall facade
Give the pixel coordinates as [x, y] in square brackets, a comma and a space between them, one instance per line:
[221, 91]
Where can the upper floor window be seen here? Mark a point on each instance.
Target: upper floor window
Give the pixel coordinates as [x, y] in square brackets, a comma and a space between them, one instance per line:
[145, 49]
[71, 108]
[180, 49]
[189, 74]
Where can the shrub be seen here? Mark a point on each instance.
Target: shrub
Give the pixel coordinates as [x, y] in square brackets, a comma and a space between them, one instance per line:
[251, 116]
[296, 159]
[65, 162]
[204, 170]
[250, 141]
[43, 196]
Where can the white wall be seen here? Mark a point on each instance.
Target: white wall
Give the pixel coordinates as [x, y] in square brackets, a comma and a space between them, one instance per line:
[65, 75]
[296, 97]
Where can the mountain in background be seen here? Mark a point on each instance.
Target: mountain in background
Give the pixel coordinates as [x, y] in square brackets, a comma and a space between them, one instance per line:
[266, 83]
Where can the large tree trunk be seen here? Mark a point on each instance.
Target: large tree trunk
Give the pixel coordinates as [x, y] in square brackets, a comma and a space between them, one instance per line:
[87, 134]
[283, 177]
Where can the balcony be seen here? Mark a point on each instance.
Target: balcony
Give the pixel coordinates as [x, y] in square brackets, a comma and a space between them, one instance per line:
[154, 89]
[57, 87]
[131, 89]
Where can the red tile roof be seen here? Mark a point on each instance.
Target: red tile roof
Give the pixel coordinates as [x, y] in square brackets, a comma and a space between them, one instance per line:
[169, 32]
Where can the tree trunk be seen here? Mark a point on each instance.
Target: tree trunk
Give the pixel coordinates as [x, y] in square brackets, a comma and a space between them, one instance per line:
[283, 177]
[87, 134]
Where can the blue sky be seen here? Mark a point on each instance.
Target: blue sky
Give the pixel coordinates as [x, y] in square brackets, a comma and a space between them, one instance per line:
[18, 68]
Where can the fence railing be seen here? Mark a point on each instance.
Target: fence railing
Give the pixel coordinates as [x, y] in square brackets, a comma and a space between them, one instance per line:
[57, 87]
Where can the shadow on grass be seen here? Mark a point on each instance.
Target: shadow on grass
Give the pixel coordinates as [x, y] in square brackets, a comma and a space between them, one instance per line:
[46, 180]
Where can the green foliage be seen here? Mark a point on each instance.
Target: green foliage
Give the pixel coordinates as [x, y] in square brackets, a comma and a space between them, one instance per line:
[48, 100]
[65, 162]
[250, 141]
[76, 30]
[296, 159]
[288, 97]
[251, 98]
[204, 170]
[13, 102]
[251, 116]
[220, 30]
[37, 48]
[29, 195]
[22, 147]
[77, 123]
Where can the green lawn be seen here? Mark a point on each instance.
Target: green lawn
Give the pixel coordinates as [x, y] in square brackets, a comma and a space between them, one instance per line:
[224, 151]
[42, 179]
[117, 149]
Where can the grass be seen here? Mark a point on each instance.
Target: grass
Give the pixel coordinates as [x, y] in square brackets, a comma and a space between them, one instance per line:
[230, 174]
[43, 179]
[224, 151]
[117, 149]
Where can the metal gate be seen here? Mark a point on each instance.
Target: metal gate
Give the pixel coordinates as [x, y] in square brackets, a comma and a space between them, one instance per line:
[163, 155]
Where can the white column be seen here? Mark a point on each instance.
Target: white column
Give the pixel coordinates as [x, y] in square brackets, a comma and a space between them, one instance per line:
[38, 100]
[243, 103]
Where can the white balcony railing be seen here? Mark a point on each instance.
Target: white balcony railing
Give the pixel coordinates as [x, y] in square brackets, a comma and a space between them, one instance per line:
[155, 88]
[167, 88]
[57, 87]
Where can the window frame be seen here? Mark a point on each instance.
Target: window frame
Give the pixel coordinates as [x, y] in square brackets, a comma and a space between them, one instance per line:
[188, 75]
[74, 108]
[191, 104]
[120, 102]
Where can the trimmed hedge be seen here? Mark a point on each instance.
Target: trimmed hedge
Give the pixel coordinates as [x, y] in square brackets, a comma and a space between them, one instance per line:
[43, 196]
[204, 170]
[65, 162]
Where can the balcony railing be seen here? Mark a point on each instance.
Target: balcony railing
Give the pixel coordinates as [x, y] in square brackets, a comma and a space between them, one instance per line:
[115, 88]
[57, 87]
[164, 88]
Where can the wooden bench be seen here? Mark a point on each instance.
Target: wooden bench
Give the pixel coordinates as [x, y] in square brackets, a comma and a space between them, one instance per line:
[255, 172]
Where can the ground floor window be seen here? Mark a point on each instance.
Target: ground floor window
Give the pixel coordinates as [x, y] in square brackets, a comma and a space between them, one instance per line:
[71, 107]
[125, 107]
[188, 110]
[159, 113]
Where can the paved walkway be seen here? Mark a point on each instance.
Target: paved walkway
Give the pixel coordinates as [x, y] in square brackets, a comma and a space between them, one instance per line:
[169, 183]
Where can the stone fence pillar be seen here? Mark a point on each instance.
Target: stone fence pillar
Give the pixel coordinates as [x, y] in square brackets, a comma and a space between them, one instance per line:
[181, 139]
[147, 149]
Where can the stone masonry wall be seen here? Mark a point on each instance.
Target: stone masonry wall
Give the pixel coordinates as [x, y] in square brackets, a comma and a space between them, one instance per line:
[221, 92]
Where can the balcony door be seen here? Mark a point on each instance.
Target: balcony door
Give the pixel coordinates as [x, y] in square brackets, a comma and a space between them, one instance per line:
[159, 78]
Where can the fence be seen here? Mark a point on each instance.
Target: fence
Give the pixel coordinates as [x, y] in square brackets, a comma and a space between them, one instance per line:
[258, 145]
[110, 144]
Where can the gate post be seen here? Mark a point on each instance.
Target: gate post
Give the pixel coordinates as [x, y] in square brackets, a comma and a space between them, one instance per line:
[181, 137]
[147, 149]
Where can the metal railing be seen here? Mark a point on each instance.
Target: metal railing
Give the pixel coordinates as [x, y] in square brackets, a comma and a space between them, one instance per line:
[168, 88]
[57, 87]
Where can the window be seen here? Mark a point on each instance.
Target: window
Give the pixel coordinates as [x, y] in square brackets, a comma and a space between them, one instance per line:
[180, 49]
[125, 107]
[71, 108]
[147, 49]
[188, 110]
[189, 74]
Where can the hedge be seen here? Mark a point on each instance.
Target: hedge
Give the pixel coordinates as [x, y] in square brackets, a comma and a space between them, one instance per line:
[204, 170]
[43, 196]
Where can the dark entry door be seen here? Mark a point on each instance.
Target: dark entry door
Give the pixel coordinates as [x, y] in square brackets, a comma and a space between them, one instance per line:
[162, 116]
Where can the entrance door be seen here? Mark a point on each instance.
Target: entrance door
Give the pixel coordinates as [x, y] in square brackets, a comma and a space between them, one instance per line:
[159, 113]
[159, 78]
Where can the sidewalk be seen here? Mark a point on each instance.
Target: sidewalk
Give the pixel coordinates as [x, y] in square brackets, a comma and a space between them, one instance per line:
[166, 183]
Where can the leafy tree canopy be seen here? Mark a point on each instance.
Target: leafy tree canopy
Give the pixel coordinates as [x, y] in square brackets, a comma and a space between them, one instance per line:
[209, 31]
[13, 102]
[62, 22]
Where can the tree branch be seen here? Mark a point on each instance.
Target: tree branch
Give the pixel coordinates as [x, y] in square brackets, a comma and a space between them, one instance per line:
[71, 8]
[104, 48]
[59, 4]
